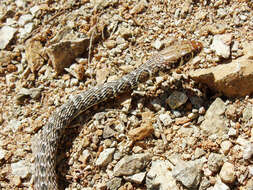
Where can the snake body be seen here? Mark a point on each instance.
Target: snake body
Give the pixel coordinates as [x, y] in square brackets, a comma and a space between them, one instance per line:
[46, 145]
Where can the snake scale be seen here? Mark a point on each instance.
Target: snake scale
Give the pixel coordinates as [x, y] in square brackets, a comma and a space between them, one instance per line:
[46, 144]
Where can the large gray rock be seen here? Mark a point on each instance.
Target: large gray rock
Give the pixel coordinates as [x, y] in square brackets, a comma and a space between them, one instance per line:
[160, 177]
[215, 122]
[130, 165]
[189, 173]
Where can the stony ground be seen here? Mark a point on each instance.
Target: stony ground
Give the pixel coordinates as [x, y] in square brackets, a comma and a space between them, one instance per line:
[188, 129]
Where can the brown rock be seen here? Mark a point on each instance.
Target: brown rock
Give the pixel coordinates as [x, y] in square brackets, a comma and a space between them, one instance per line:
[141, 132]
[63, 54]
[233, 79]
[182, 120]
[110, 44]
[12, 68]
[102, 74]
[227, 173]
[133, 164]
[77, 70]
[34, 54]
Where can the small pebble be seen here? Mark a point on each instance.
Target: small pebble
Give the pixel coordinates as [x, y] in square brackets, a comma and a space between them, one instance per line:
[227, 173]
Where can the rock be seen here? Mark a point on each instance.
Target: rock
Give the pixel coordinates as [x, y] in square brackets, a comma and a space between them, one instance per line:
[226, 146]
[160, 177]
[221, 13]
[136, 178]
[77, 70]
[14, 125]
[63, 53]
[110, 44]
[250, 167]
[114, 183]
[6, 35]
[249, 185]
[26, 30]
[248, 151]
[231, 112]
[108, 132]
[2, 153]
[232, 79]
[214, 123]
[139, 7]
[216, 28]
[140, 133]
[20, 3]
[204, 184]
[34, 54]
[221, 45]
[35, 10]
[101, 75]
[11, 68]
[227, 173]
[158, 44]
[130, 165]
[188, 173]
[219, 185]
[232, 132]
[199, 152]
[156, 104]
[125, 33]
[176, 99]
[182, 120]
[247, 113]
[23, 93]
[101, 4]
[16, 180]
[166, 119]
[84, 156]
[105, 157]
[215, 161]
[25, 19]
[21, 169]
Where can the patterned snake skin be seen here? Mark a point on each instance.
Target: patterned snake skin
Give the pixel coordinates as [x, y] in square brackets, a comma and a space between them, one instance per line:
[46, 144]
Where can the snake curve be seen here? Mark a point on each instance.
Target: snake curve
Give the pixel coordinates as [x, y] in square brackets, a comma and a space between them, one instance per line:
[46, 144]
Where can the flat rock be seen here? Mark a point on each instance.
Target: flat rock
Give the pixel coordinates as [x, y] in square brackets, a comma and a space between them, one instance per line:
[130, 165]
[24, 93]
[176, 99]
[160, 177]
[248, 151]
[189, 173]
[62, 54]
[34, 54]
[215, 161]
[140, 133]
[166, 119]
[233, 79]
[114, 183]
[215, 122]
[6, 35]
[105, 157]
[77, 70]
[21, 169]
[2, 153]
[221, 45]
[136, 178]
[219, 185]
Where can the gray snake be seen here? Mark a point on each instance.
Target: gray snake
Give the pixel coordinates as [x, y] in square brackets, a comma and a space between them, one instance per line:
[46, 145]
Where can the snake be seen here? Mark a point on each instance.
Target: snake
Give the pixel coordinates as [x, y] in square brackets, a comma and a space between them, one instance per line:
[47, 139]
